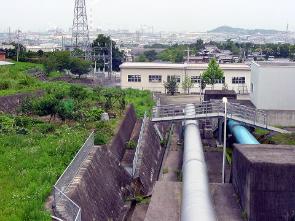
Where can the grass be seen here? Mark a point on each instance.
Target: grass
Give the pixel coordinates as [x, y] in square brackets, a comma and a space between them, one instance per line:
[30, 164]
[277, 139]
[283, 139]
[14, 79]
[55, 74]
[33, 153]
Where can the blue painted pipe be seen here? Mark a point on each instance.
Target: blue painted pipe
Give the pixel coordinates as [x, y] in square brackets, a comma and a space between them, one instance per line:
[242, 135]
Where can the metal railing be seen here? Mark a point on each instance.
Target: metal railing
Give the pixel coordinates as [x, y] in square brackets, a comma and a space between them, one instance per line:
[64, 206]
[211, 109]
[137, 156]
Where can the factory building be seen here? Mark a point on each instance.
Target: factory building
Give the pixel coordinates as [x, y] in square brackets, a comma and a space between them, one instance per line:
[152, 76]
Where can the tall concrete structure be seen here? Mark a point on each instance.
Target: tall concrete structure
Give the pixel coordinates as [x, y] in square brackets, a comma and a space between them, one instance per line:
[80, 30]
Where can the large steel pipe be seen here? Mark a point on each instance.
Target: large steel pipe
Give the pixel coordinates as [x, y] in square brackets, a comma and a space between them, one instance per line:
[241, 134]
[196, 197]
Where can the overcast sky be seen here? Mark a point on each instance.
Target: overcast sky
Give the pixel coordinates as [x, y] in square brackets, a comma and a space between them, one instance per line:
[163, 15]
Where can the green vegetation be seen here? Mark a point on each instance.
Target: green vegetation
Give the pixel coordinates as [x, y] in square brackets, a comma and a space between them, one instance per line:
[33, 154]
[284, 139]
[187, 84]
[104, 43]
[165, 170]
[171, 86]
[265, 137]
[14, 78]
[38, 144]
[131, 144]
[213, 73]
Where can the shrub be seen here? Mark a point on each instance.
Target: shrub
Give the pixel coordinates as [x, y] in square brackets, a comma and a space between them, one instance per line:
[4, 85]
[65, 109]
[6, 124]
[46, 128]
[78, 92]
[131, 144]
[93, 114]
[100, 139]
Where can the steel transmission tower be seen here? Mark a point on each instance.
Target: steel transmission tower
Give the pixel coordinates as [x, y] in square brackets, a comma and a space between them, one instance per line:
[80, 30]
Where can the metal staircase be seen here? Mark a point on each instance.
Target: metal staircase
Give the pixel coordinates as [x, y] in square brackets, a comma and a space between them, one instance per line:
[215, 109]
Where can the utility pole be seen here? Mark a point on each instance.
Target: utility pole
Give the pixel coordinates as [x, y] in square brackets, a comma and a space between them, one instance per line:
[18, 44]
[111, 58]
[188, 55]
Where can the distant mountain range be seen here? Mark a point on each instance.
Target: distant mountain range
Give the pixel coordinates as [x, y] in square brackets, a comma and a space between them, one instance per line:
[242, 31]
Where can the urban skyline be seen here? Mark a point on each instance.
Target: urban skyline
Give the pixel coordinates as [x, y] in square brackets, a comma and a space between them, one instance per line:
[130, 15]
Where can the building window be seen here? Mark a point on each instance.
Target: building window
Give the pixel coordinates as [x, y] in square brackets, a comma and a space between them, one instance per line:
[134, 78]
[220, 81]
[238, 80]
[252, 87]
[176, 76]
[196, 79]
[155, 78]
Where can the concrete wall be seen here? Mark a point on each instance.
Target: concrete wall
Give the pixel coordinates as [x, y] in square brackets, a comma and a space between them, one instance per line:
[263, 177]
[118, 143]
[164, 72]
[281, 118]
[152, 156]
[273, 86]
[101, 187]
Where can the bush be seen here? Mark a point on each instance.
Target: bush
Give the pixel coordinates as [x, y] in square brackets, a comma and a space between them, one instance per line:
[104, 132]
[100, 139]
[65, 109]
[131, 144]
[4, 85]
[93, 115]
[46, 128]
[78, 92]
[6, 124]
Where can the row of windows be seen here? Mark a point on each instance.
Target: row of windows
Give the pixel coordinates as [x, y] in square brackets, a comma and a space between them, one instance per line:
[238, 80]
[194, 79]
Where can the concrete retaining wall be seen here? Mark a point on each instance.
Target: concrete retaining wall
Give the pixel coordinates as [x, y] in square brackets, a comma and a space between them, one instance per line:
[281, 118]
[118, 143]
[152, 156]
[264, 179]
[101, 187]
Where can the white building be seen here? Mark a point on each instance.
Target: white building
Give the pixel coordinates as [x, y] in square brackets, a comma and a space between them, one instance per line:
[273, 85]
[151, 76]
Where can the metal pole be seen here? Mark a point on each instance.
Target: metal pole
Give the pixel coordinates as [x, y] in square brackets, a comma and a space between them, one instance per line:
[224, 140]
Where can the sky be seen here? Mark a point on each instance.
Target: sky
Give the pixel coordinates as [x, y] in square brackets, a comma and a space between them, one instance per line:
[163, 15]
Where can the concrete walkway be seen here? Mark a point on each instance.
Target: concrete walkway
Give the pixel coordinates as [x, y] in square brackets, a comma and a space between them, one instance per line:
[172, 164]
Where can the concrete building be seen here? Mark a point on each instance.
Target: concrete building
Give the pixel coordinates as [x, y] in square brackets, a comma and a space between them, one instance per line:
[272, 89]
[272, 85]
[151, 76]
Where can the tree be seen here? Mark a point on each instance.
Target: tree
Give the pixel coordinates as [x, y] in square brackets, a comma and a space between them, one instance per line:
[141, 58]
[80, 67]
[101, 45]
[151, 55]
[187, 84]
[171, 85]
[213, 73]
[58, 61]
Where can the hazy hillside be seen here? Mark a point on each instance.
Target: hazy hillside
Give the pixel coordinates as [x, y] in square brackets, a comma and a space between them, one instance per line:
[231, 30]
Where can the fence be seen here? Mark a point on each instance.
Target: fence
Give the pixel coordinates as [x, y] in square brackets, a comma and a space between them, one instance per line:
[211, 109]
[65, 207]
[138, 147]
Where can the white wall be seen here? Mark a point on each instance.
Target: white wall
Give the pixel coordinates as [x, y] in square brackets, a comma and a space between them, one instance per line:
[159, 87]
[274, 87]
